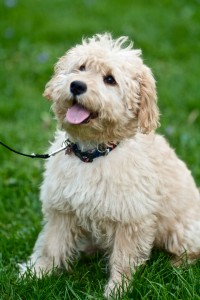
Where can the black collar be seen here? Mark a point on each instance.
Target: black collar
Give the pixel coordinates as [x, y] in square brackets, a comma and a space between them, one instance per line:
[89, 155]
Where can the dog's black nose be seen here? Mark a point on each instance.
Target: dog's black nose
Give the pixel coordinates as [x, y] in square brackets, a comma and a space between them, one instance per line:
[78, 87]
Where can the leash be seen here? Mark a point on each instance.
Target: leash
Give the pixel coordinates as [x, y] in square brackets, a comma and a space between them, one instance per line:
[33, 155]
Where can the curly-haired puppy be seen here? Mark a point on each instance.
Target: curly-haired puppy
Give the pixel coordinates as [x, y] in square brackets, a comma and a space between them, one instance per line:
[118, 186]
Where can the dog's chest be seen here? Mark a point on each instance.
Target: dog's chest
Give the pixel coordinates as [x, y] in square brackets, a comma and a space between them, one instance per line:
[95, 191]
[90, 190]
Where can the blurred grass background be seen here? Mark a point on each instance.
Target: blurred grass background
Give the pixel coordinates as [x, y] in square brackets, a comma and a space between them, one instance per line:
[33, 34]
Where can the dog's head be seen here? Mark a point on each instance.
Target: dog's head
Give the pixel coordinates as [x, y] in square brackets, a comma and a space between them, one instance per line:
[102, 91]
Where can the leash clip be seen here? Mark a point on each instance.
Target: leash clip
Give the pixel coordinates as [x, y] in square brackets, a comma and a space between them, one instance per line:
[64, 146]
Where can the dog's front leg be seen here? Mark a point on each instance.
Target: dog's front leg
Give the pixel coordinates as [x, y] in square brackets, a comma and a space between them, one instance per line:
[55, 246]
[131, 247]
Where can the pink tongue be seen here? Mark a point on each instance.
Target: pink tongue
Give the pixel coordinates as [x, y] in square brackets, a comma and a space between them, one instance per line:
[77, 114]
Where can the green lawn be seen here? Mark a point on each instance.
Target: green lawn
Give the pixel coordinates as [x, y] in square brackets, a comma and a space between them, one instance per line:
[33, 34]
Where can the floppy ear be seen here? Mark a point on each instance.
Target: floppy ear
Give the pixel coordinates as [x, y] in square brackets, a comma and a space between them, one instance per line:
[148, 115]
[48, 91]
[53, 85]
[52, 88]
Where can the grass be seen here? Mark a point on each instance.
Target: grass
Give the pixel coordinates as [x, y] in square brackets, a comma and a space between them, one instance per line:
[33, 35]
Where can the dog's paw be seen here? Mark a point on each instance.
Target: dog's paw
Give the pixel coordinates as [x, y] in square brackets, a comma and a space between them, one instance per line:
[110, 290]
[42, 266]
[116, 288]
[113, 290]
[22, 269]
[26, 269]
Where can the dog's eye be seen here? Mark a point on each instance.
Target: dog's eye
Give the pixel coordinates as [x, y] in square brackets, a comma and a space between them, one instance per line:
[109, 79]
[82, 68]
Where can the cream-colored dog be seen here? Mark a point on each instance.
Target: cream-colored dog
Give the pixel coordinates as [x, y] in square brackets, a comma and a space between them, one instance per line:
[119, 186]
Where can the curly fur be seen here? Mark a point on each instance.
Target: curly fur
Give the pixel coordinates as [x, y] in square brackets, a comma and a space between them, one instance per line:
[139, 196]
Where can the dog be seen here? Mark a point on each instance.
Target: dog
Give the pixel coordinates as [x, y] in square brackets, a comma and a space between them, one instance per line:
[118, 187]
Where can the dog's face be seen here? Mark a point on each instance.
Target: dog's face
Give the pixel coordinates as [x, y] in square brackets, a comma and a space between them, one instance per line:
[103, 92]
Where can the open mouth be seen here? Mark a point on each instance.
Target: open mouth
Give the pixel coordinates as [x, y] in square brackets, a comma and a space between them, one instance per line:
[78, 114]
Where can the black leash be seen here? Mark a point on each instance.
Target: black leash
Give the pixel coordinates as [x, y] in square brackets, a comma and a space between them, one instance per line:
[33, 155]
